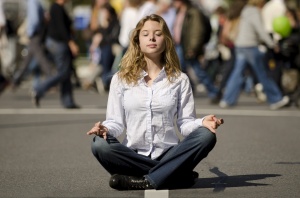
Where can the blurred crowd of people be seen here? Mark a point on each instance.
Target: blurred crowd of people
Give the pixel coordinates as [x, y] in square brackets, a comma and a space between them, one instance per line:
[249, 46]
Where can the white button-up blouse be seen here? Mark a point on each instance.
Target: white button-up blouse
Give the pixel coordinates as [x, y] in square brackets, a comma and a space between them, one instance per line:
[147, 113]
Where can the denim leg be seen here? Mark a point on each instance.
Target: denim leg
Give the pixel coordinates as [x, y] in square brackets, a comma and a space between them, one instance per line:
[23, 69]
[35, 70]
[203, 77]
[106, 60]
[226, 69]
[236, 79]
[66, 93]
[182, 62]
[249, 84]
[119, 159]
[62, 59]
[40, 55]
[180, 55]
[182, 158]
[256, 60]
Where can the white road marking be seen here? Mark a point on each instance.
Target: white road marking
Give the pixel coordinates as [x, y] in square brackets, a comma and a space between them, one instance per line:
[156, 193]
[102, 111]
[52, 111]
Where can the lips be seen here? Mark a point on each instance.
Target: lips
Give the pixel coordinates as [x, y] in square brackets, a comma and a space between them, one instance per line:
[152, 45]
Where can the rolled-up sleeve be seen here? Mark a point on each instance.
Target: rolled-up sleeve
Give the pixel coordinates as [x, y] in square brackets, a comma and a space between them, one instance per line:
[115, 121]
[186, 117]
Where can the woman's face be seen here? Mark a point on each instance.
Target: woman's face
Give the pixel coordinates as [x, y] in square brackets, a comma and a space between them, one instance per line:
[152, 40]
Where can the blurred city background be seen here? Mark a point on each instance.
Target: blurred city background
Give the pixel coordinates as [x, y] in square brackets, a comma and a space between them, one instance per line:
[80, 10]
[93, 65]
[45, 151]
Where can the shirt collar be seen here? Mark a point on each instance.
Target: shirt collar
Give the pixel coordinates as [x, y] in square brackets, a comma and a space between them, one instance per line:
[162, 74]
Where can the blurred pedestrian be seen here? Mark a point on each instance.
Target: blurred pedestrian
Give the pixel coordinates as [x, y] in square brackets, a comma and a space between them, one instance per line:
[146, 95]
[212, 56]
[227, 38]
[8, 42]
[129, 13]
[104, 39]
[96, 17]
[251, 32]
[167, 11]
[3, 42]
[62, 47]
[95, 21]
[93, 70]
[289, 55]
[270, 11]
[189, 40]
[36, 25]
[146, 8]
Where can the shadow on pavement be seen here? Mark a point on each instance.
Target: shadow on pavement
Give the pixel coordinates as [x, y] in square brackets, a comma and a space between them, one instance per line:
[220, 183]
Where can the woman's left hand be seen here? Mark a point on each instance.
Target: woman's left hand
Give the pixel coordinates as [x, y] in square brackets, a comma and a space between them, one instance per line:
[99, 130]
[212, 123]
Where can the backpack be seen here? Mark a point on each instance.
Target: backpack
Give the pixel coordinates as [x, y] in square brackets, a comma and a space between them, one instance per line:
[206, 27]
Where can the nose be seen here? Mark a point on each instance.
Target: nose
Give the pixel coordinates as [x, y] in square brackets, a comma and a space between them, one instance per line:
[152, 38]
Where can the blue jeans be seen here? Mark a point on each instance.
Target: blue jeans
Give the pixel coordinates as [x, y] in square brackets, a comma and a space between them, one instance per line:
[34, 68]
[161, 172]
[255, 59]
[62, 58]
[106, 61]
[200, 73]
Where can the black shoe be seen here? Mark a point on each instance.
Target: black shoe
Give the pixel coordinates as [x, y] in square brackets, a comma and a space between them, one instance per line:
[3, 83]
[124, 182]
[35, 99]
[216, 99]
[195, 175]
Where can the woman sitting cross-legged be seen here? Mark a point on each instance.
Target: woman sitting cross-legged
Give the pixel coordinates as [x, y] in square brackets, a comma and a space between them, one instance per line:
[146, 95]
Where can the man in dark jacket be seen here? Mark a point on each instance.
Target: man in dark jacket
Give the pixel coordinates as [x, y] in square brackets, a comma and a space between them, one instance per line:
[189, 39]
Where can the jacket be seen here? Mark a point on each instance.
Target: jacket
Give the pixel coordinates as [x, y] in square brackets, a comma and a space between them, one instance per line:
[192, 31]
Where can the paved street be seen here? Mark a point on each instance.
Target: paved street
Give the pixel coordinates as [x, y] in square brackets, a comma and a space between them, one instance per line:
[45, 152]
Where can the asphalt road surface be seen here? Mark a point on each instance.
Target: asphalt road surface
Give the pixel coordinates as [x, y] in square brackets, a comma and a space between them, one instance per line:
[45, 152]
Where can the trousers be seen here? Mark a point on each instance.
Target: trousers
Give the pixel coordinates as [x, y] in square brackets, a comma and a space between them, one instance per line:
[62, 58]
[255, 59]
[168, 169]
[37, 53]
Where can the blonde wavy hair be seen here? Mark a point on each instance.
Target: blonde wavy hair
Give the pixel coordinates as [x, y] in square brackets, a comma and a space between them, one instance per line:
[133, 61]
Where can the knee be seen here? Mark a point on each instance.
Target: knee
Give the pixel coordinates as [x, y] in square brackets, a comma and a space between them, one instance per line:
[99, 146]
[205, 137]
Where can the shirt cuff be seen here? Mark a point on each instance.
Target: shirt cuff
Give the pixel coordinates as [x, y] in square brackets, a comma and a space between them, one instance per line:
[200, 121]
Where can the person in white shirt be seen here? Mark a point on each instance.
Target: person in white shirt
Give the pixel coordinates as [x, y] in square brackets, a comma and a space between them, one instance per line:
[147, 7]
[166, 9]
[129, 13]
[271, 10]
[146, 95]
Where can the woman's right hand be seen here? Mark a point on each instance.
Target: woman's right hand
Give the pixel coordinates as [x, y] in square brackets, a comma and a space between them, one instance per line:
[212, 123]
[99, 130]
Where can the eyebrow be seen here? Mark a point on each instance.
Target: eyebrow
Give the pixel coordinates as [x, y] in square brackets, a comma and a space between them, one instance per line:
[159, 30]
